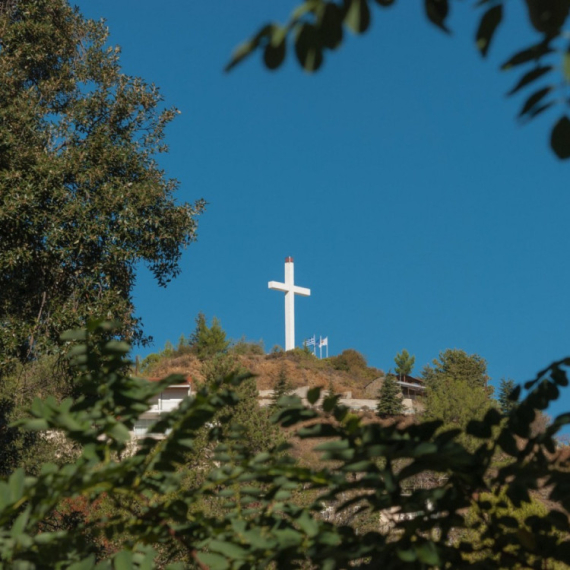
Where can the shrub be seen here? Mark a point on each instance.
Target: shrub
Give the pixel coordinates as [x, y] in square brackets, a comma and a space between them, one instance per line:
[243, 347]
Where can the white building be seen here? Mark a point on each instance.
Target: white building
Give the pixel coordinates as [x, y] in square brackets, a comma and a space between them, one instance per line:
[164, 402]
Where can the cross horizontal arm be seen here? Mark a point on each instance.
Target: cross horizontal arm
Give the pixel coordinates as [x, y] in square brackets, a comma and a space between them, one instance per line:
[302, 291]
[279, 286]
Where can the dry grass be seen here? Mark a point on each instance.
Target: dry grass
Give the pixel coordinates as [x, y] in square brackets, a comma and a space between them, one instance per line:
[301, 370]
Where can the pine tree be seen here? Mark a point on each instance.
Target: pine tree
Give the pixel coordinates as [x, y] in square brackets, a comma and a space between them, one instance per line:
[206, 341]
[220, 366]
[390, 398]
[505, 389]
[282, 388]
[249, 425]
[404, 363]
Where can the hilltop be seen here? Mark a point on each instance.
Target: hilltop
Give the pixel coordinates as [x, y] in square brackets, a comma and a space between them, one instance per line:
[346, 372]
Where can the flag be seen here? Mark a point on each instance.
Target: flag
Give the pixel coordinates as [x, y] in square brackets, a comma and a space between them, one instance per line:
[324, 341]
[311, 341]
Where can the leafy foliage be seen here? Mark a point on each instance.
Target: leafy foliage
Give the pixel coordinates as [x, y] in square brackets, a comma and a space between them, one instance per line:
[353, 362]
[244, 347]
[404, 363]
[82, 199]
[283, 387]
[456, 403]
[257, 523]
[506, 388]
[457, 391]
[316, 26]
[389, 398]
[206, 341]
[454, 364]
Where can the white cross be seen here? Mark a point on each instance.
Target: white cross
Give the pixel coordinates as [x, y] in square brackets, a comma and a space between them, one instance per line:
[290, 290]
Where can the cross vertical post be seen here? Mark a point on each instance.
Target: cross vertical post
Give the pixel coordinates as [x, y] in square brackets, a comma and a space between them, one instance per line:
[290, 290]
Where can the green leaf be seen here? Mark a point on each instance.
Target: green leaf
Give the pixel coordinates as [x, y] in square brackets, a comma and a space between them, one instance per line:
[358, 16]
[427, 553]
[16, 484]
[123, 560]
[308, 47]
[534, 99]
[437, 11]
[487, 27]
[228, 549]
[313, 395]
[534, 52]
[339, 445]
[35, 425]
[86, 564]
[77, 334]
[560, 138]
[407, 555]
[508, 443]
[213, 561]
[245, 49]
[307, 524]
[330, 26]
[529, 77]
[116, 347]
[120, 433]
[275, 50]
[493, 417]
[566, 66]
[478, 429]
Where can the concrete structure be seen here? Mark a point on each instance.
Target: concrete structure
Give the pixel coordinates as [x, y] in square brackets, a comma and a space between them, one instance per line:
[164, 402]
[357, 404]
[290, 290]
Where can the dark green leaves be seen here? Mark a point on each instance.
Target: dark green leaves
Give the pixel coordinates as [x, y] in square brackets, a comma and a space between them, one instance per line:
[487, 27]
[244, 509]
[331, 26]
[274, 53]
[437, 11]
[358, 16]
[533, 53]
[560, 138]
[308, 47]
[531, 106]
[529, 77]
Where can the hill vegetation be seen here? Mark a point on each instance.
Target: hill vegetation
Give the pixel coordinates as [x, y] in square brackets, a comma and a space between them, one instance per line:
[347, 372]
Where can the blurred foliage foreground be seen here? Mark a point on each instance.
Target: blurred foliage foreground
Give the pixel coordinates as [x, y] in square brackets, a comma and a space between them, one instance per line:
[121, 506]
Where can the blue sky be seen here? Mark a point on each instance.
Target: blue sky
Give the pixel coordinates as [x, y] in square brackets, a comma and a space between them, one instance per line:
[418, 211]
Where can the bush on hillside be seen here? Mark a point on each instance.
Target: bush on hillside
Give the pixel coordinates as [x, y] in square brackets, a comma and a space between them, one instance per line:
[354, 363]
[243, 347]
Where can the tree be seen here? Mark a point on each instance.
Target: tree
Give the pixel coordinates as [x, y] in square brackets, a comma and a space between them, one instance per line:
[455, 364]
[456, 390]
[455, 402]
[207, 341]
[319, 25]
[82, 198]
[390, 398]
[404, 363]
[219, 366]
[282, 388]
[506, 388]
